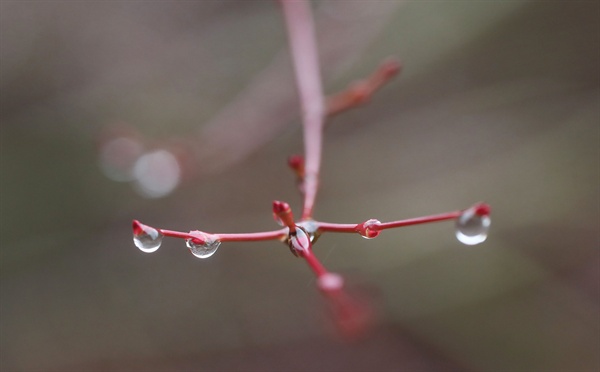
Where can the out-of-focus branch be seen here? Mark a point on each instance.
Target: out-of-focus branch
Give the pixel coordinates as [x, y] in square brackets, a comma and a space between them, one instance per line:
[267, 106]
[300, 26]
[361, 91]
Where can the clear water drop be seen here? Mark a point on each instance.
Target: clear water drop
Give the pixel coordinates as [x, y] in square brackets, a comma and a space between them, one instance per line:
[472, 226]
[146, 238]
[312, 229]
[365, 229]
[299, 242]
[205, 246]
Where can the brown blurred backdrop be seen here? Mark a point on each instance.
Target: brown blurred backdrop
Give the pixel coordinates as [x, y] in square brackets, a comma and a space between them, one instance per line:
[498, 101]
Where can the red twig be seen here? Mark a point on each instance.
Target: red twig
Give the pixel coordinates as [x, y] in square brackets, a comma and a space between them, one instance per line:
[351, 228]
[301, 36]
[361, 91]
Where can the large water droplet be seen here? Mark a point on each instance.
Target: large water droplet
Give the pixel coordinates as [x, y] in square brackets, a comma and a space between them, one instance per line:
[205, 246]
[299, 242]
[312, 229]
[473, 225]
[146, 238]
[365, 229]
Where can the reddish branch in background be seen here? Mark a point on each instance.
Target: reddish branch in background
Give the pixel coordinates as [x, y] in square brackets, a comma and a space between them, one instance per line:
[352, 316]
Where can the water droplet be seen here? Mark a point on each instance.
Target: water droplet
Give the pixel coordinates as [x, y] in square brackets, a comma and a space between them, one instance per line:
[330, 282]
[204, 246]
[473, 225]
[312, 229]
[299, 242]
[146, 238]
[366, 229]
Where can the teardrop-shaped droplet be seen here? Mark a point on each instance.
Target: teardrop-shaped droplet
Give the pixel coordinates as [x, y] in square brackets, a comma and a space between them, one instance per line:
[205, 246]
[473, 225]
[146, 238]
[366, 230]
[299, 242]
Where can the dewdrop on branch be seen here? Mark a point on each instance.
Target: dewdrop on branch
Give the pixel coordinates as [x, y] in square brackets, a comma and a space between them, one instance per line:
[146, 238]
[299, 242]
[473, 225]
[367, 229]
[202, 245]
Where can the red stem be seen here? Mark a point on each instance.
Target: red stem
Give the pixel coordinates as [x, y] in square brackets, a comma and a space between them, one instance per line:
[315, 264]
[242, 237]
[337, 227]
[248, 237]
[177, 234]
[351, 228]
[417, 220]
[300, 27]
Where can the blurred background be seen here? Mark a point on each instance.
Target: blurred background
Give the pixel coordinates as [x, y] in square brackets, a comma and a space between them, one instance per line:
[498, 102]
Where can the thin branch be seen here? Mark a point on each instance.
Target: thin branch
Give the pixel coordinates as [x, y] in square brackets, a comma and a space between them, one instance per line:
[280, 234]
[361, 91]
[301, 36]
[376, 226]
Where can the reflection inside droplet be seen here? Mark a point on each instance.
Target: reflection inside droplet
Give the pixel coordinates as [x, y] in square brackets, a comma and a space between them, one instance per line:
[366, 229]
[299, 242]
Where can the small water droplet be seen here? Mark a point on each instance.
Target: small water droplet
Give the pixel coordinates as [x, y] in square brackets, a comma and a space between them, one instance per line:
[366, 229]
[472, 226]
[299, 242]
[205, 246]
[312, 229]
[146, 238]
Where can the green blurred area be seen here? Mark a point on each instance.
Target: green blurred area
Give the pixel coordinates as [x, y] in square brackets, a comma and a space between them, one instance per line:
[498, 101]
